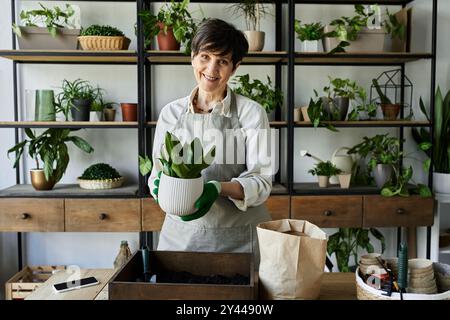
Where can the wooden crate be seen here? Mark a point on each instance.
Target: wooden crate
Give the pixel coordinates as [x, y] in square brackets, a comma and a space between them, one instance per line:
[123, 285]
[27, 280]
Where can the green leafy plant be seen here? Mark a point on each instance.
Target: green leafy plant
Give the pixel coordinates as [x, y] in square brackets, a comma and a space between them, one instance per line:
[326, 168]
[362, 105]
[77, 89]
[318, 115]
[99, 30]
[100, 105]
[252, 10]
[394, 27]
[309, 31]
[344, 88]
[51, 18]
[383, 98]
[267, 96]
[50, 147]
[100, 171]
[145, 165]
[174, 15]
[184, 161]
[346, 243]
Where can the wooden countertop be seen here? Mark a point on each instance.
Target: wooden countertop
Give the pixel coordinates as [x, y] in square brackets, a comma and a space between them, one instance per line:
[338, 286]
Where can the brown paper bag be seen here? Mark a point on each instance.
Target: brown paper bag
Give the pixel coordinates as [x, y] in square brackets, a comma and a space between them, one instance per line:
[293, 254]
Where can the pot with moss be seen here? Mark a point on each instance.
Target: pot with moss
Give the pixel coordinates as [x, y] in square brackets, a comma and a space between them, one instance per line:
[181, 182]
[100, 176]
[324, 170]
[103, 38]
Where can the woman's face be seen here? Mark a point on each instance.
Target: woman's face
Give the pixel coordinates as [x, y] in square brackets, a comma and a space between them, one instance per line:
[212, 71]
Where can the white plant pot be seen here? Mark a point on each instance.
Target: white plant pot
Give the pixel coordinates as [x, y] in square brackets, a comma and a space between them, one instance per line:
[177, 196]
[441, 182]
[323, 181]
[344, 180]
[311, 46]
[96, 116]
[255, 40]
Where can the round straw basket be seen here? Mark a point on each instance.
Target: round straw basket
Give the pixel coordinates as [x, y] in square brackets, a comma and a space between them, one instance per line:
[104, 43]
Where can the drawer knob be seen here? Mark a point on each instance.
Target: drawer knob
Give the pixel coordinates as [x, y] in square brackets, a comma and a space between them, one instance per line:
[102, 216]
[401, 211]
[24, 216]
[327, 213]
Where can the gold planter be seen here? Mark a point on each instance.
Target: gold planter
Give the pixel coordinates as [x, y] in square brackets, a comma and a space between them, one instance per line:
[39, 182]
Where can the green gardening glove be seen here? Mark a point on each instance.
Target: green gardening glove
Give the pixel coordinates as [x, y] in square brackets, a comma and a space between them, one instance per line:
[156, 186]
[211, 191]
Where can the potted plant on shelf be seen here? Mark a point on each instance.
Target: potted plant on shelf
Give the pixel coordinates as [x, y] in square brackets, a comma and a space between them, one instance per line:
[100, 176]
[363, 110]
[77, 97]
[440, 143]
[346, 243]
[265, 94]
[103, 37]
[50, 147]
[310, 35]
[339, 94]
[324, 170]
[49, 29]
[181, 182]
[316, 114]
[173, 26]
[98, 110]
[390, 110]
[253, 11]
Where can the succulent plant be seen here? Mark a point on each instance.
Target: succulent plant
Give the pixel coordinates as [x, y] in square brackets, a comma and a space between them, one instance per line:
[100, 171]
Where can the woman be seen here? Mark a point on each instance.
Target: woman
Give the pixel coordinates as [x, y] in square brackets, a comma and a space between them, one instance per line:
[232, 203]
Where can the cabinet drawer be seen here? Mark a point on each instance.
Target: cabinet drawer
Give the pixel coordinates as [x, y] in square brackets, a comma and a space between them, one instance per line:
[152, 215]
[397, 212]
[328, 211]
[278, 207]
[116, 215]
[31, 215]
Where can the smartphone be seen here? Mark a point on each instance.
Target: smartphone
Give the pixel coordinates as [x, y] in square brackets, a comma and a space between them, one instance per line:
[75, 284]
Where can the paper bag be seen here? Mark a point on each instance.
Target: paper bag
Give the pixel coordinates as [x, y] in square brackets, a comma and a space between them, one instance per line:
[293, 254]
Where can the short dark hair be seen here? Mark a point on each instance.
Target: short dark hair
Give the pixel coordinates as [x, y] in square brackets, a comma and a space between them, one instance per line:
[216, 35]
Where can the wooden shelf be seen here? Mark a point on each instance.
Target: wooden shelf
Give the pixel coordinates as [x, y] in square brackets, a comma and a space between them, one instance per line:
[67, 124]
[374, 123]
[178, 57]
[68, 191]
[312, 188]
[70, 56]
[341, 2]
[279, 189]
[273, 124]
[362, 58]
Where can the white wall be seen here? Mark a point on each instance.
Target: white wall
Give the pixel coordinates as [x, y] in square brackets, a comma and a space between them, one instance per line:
[119, 147]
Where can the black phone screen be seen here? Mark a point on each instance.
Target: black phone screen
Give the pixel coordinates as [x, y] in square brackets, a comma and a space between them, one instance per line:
[75, 283]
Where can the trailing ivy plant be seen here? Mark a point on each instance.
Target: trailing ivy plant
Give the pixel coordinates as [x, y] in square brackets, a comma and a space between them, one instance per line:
[51, 18]
[394, 27]
[325, 168]
[100, 171]
[184, 161]
[50, 147]
[265, 94]
[347, 241]
[145, 165]
[99, 30]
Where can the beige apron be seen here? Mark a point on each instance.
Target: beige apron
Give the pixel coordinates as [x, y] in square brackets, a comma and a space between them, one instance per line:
[224, 228]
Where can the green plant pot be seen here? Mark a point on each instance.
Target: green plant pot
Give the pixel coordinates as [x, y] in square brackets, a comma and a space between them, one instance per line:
[45, 106]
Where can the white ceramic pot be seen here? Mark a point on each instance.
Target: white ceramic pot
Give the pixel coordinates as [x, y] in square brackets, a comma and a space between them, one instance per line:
[344, 180]
[311, 46]
[96, 116]
[177, 196]
[342, 161]
[323, 181]
[255, 40]
[441, 182]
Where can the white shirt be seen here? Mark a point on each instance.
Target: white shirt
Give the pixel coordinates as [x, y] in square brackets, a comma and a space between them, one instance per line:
[255, 181]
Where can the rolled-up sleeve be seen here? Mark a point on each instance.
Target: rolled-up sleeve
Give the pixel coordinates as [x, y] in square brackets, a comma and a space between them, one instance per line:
[256, 181]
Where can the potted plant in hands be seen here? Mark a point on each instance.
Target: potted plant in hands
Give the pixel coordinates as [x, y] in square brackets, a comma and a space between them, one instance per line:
[100, 176]
[46, 28]
[267, 96]
[390, 110]
[253, 11]
[310, 35]
[346, 243]
[324, 170]
[181, 182]
[50, 147]
[173, 26]
[77, 97]
[103, 37]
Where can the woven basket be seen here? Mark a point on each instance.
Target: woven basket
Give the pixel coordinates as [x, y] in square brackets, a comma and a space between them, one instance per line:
[101, 184]
[103, 43]
[366, 292]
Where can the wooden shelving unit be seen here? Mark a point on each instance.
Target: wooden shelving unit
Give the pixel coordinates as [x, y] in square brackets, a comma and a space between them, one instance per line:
[68, 124]
[363, 124]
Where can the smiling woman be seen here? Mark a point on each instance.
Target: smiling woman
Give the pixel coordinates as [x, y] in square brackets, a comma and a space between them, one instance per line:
[237, 180]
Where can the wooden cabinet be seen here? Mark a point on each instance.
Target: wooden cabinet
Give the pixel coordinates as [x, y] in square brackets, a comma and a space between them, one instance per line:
[279, 207]
[328, 211]
[397, 212]
[98, 215]
[31, 215]
[152, 215]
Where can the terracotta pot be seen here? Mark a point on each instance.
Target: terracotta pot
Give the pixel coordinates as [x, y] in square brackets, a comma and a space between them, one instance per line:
[390, 111]
[39, 182]
[129, 111]
[167, 41]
